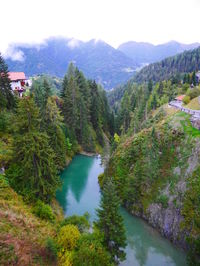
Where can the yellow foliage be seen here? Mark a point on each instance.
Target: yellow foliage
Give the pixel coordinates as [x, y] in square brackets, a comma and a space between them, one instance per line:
[116, 138]
[68, 237]
[65, 259]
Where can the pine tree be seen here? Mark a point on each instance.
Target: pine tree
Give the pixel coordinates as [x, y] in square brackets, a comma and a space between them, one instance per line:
[53, 122]
[6, 96]
[150, 86]
[95, 105]
[33, 172]
[47, 92]
[37, 92]
[70, 104]
[110, 222]
[64, 86]
[154, 102]
[194, 78]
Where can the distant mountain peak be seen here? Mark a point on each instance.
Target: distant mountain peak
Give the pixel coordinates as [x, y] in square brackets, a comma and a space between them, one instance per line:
[97, 59]
[142, 52]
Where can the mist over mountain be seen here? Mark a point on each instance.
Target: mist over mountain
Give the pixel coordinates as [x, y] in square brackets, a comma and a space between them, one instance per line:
[97, 60]
[143, 52]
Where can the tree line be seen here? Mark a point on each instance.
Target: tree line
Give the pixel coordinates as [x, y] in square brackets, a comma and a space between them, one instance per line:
[186, 62]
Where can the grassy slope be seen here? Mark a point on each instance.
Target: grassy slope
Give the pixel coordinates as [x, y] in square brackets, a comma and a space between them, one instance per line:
[22, 235]
[193, 104]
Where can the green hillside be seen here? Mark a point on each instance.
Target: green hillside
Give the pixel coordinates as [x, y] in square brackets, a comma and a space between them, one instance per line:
[186, 62]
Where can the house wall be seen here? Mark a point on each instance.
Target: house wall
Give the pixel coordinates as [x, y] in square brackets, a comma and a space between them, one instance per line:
[29, 82]
[15, 84]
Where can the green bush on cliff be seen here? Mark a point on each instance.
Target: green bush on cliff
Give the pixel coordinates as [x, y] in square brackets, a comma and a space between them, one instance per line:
[90, 251]
[163, 199]
[43, 211]
[52, 248]
[82, 222]
[191, 204]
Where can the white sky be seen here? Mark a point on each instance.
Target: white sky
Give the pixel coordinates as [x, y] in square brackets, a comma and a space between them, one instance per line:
[114, 21]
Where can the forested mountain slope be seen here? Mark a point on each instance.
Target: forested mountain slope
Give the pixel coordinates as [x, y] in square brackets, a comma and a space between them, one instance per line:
[97, 60]
[188, 61]
[157, 171]
[155, 159]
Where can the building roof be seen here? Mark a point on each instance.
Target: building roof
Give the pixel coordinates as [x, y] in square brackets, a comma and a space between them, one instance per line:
[180, 97]
[16, 76]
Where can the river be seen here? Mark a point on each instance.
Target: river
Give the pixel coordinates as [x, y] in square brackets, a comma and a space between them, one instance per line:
[80, 193]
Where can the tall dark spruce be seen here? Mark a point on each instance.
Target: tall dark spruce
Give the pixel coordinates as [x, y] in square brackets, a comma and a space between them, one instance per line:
[32, 172]
[7, 99]
[110, 222]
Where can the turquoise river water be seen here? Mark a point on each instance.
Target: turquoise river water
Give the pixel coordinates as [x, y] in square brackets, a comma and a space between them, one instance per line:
[80, 193]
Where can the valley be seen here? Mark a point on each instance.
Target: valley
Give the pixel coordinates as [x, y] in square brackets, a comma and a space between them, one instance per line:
[140, 183]
[81, 193]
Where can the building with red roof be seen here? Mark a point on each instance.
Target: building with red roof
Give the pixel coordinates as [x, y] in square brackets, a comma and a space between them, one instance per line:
[180, 98]
[18, 80]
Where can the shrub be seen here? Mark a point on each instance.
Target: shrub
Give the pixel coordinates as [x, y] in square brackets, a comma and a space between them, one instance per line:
[52, 248]
[90, 251]
[193, 93]
[66, 259]
[43, 211]
[101, 180]
[3, 182]
[82, 222]
[163, 199]
[68, 237]
[186, 99]
[193, 255]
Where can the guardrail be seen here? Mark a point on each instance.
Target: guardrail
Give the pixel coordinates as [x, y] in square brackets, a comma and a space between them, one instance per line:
[195, 113]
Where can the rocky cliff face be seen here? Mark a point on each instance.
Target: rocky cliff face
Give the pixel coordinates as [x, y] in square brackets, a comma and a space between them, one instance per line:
[169, 220]
[157, 173]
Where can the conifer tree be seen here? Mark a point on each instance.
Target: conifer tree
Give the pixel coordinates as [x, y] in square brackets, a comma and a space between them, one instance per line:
[150, 86]
[33, 172]
[194, 78]
[95, 112]
[53, 122]
[64, 86]
[46, 93]
[6, 96]
[70, 103]
[110, 222]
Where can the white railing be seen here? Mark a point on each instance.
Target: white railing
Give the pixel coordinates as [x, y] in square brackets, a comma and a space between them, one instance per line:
[195, 113]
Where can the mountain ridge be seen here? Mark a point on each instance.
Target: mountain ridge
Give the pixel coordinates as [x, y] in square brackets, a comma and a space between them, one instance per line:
[144, 52]
[97, 59]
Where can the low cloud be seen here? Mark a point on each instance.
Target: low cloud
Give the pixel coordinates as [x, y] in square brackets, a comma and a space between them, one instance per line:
[14, 54]
[73, 43]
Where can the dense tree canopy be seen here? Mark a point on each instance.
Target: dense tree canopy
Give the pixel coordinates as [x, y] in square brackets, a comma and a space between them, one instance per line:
[188, 61]
[33, 170]
[6, 96]
[85, 109]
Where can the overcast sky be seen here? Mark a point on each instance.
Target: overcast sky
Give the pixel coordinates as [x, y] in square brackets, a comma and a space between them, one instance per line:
[114, 21]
